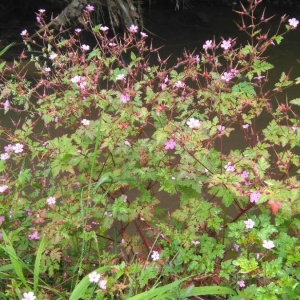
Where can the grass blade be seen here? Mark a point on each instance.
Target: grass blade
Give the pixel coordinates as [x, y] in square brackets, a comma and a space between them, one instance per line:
[36, 271]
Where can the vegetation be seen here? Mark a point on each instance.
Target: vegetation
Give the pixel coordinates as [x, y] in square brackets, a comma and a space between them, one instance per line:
[95, 144]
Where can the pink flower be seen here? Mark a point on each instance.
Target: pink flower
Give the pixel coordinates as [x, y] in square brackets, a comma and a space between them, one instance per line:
[112, 44]
[241, 283]
[208, 45]
[229, 167]
[155, 255]
[226, 44]
[29, 296]
[102, 284]
[127, 144]
[90, 8]
[24, 33]
[227, 76]
[245, 174]
[163, 86]
[236, 247]
[249, 223]
[133, 28]
[170, 144]
[245, 126]
[195, 243]
[34, 236]
[78, 30]
[42, 11]
[197, 58]
[2, 219]
[259, 78]
[6, 105]
[8, 148]
[104, 28]
[124, 98]
[17, 148]
[254, 197]
[3, 188]
[144, 35]
[293, 22]
[268, 244]
[85, 47]
[221, 128]
[47, 70]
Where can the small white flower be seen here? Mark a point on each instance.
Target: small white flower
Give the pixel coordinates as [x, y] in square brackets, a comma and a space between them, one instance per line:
[53, 56]
[226, 44]
[293, 22]
[85, 122]
[249, 223]
[51, 201]
[195, 243]
[17, 148]
[268, 244]
[24, 32]
[76, 79]
[85, 47]
[3, 188]
[229, 167]
[94, 277]
[4, 156]
[179, 84]
[120, 76]
[29, 296]
[155, 255]
[193, 123]
[104, 28]
[42, 11]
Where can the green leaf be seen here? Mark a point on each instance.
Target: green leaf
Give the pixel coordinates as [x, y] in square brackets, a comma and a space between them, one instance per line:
[37, 263]
[295, 101]
[6, 48]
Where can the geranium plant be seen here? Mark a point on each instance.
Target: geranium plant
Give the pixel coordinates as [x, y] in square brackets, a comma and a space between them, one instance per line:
[102, 136]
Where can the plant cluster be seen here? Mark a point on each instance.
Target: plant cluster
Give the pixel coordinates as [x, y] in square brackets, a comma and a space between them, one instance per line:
[102, 135]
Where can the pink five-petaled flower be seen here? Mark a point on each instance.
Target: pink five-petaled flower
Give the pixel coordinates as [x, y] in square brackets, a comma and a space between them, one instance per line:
[226, 44]
[85, 122]
[102, 284]
[293, 22]
[155, 255]
[133, 28]
[193, 123]
[17, 148]
[254, 197]
[8, 148]
[245, 174]
[24, 32]
[227, 76]
[85, 47]
[34, 236]
[230, 167]
[221, 128]
[249, 223]
[208, 45]
[6, 105]
[90, 7]
[268, 244]
[124, 98]
[241, 283]
[170, 144]
[94, 277]
[29, 296]
[51, 201]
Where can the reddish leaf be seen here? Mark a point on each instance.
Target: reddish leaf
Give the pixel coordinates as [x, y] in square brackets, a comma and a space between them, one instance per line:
[274, 206]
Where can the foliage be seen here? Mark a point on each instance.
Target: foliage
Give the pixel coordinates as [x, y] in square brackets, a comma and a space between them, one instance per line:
[102, 136]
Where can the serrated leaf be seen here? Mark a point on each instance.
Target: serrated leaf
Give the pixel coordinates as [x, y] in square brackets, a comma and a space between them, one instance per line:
[295, 101]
